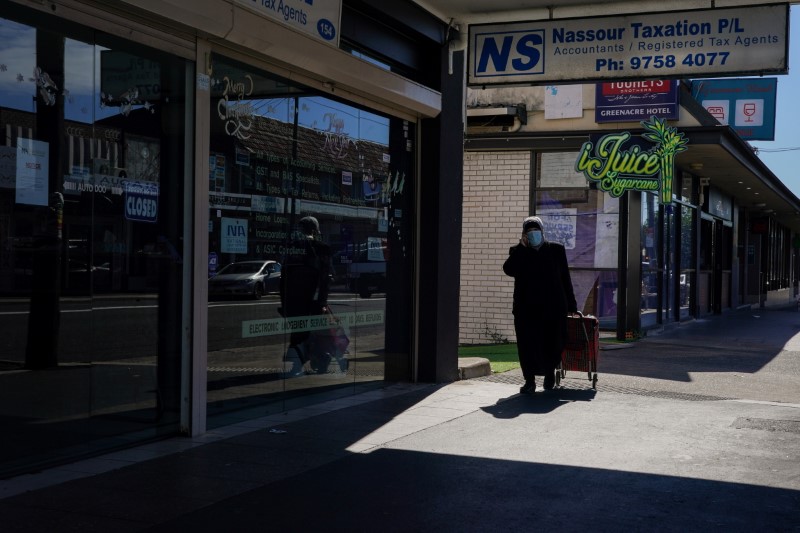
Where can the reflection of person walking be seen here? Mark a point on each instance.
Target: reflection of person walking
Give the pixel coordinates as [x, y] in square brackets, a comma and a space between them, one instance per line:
[305, 281]
[543, 296]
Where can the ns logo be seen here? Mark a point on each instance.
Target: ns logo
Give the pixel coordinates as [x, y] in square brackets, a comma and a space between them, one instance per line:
[512, 53]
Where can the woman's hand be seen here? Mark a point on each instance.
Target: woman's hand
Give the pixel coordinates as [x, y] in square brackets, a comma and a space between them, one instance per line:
[524, 240]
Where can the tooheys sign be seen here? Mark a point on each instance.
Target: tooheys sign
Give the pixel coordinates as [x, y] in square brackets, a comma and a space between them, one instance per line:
[713, 42]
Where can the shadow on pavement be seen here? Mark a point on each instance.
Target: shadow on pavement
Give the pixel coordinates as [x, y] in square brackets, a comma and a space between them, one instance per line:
[395, 490]
[540, 403]
[737, 342]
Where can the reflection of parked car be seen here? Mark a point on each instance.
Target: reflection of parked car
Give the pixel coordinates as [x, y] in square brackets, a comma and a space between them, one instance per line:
[246, 278]
[366, 273]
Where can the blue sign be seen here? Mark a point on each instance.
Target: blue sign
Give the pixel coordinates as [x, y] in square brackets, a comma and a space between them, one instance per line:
[745, 104]
[509, 53]
[141, 201]
[624, 101]
[213, 263]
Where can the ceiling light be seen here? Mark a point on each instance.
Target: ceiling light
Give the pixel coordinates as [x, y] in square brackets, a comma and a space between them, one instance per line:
[696, 166]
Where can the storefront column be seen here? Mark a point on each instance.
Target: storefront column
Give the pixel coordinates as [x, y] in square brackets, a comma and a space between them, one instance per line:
[441, 180]
[193, 416]
[44, 322]
[630, 264]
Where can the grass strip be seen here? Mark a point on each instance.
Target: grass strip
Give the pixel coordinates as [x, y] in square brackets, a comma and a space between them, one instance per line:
[502, 357]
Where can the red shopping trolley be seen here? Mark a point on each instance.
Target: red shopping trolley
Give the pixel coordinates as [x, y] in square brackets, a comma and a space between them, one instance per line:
[581, 349]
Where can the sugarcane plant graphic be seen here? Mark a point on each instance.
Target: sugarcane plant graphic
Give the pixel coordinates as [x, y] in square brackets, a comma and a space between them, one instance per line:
[669, 143]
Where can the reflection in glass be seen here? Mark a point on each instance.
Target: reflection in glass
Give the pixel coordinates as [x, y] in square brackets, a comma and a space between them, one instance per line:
[687, 254]
[586, 222]
[650, 263]
[90, 277]
[280, 153]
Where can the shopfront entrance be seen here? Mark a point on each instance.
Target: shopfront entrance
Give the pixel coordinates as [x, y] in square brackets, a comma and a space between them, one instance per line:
[715, 265]
[310, 203]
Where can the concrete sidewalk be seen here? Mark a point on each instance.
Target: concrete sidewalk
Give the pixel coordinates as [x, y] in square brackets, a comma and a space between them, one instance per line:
[696, 429]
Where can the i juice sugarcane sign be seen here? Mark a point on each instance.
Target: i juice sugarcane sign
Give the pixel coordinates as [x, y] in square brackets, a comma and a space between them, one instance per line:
[617, 169]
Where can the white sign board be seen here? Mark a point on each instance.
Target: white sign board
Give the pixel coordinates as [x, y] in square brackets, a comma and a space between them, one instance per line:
[33, 159]
[233, 235]
[710, 42]
[318, 18]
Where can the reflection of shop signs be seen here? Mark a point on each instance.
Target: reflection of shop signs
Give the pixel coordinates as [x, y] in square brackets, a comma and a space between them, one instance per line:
[233, 235]
[319, 208]
[337, 143]
[375, 248]
[280, 326]
[141, 201]
[238, 115]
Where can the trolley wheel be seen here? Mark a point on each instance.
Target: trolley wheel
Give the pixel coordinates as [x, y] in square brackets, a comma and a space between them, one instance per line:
[558, 377]
[594, 382]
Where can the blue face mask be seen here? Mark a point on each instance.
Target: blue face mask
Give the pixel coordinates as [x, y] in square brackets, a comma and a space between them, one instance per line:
[535, 237]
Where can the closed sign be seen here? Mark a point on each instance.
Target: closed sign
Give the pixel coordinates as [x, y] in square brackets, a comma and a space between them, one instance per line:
[141, 201]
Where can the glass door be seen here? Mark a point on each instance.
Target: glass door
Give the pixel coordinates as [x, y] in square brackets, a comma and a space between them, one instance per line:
[310, 251]
[91, 222]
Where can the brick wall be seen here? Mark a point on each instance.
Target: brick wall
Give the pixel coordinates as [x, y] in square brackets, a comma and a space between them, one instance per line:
[496, 200]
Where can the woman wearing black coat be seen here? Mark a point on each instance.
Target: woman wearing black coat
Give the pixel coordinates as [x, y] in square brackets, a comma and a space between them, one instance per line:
[543, 296]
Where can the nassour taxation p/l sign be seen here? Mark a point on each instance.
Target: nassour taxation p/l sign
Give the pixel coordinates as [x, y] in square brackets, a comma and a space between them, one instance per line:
[708, 43]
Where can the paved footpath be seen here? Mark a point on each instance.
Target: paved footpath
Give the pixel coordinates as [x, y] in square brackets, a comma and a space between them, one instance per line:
[695, 429]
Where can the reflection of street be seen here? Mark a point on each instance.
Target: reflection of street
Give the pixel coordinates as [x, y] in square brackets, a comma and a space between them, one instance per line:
[90, 330]
[111, 344]
[241, 370]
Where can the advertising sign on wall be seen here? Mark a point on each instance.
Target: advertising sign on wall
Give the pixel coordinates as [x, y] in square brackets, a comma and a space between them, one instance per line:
[710, 42]
[622, 101]
[319, 18]
[747, 105]
[617, 164]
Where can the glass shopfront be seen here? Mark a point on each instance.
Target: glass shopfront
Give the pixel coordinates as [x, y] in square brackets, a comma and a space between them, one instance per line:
[586, 221]
[310, 203]
[92, 158]
[668, 259]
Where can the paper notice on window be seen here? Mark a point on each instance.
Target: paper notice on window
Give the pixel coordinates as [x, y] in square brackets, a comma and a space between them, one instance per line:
[32, 171]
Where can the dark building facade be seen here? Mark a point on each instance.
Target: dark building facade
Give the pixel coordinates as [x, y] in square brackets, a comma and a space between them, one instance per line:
[147, 146]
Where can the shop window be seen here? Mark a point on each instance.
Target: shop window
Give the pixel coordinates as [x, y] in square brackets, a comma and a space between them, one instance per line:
[309, 156]
[90, 239]
[650, 254]
[586, 222]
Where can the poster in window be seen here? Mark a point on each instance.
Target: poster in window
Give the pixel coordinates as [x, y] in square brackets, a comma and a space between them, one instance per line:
[32, 171]
[606, 238]
[234, 235]
[560, 225]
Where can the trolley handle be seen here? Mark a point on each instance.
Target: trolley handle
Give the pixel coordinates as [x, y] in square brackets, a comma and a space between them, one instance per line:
[583, 324]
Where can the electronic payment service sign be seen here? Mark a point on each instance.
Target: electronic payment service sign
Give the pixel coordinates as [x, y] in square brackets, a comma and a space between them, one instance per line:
[690, 44]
